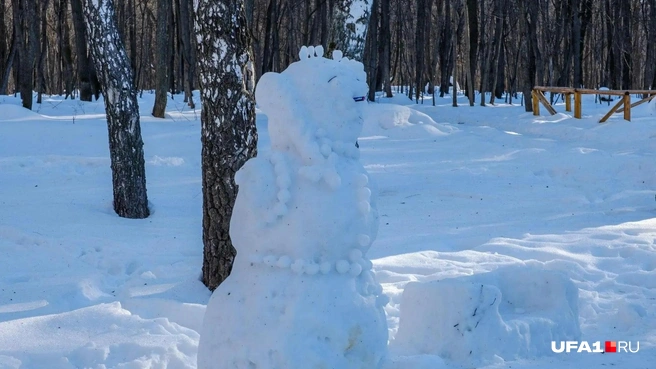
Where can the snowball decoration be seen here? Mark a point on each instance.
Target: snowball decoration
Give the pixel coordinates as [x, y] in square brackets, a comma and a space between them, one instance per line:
[343, 266]
[301, 294]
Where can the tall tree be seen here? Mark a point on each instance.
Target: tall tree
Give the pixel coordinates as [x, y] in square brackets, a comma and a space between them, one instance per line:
[229, 136]
[420, 46]
[3, 38]
[86, 74]
[650, 64]
[115, 75]
[26, 28]
[384, 46]
[371, 50]
[163, 54]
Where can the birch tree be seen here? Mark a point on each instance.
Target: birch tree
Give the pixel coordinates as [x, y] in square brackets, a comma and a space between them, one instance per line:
[115, 76]
[228, 133]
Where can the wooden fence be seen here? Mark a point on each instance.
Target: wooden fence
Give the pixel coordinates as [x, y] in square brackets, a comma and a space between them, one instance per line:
[623, 105]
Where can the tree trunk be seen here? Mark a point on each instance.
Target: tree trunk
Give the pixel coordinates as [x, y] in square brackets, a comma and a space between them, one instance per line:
[6, 72]
[472, 34]
[88, 80]
[384, 47]
[43, 49]
[66, 52]
[162, 55]
[499, 11]
[650, 63]
[446, 50]
[26, 29]
[185, 24]
[371, 51]
[577, 43]
[229, 136]
[420, 42]
[3, 38]
[125, 143]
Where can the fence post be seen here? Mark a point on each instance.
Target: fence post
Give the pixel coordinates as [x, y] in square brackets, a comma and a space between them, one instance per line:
[627, 106]
[534, 101]
[577, 105]
[568, 102]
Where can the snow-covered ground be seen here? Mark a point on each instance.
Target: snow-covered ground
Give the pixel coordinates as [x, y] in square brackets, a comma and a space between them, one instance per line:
[461, 192]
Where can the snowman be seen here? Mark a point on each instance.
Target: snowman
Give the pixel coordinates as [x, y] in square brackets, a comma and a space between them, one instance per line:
[302, 294]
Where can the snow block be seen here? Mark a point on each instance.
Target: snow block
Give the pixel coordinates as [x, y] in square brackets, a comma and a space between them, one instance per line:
[511, 313]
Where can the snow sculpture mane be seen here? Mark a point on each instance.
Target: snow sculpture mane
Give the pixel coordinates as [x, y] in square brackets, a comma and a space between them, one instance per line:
[302, 293]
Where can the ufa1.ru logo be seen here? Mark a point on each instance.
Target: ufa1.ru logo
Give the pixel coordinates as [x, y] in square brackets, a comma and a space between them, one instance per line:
[584, 346]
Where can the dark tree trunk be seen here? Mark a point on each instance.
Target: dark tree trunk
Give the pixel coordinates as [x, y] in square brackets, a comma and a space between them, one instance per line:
[625, 33]
[88, 80]
[229, 136]
[650, 63]
[384, 47]
[6, 72]
[420, 42]
[162, 56]
[446, 50]
[67, 53]
[267, 65]
[577, 43]
[472, 21]
[3, 38]
[188, 52]
[371, 51]
[125, 143]
[497, 57]
[26, 28]
[43, 49]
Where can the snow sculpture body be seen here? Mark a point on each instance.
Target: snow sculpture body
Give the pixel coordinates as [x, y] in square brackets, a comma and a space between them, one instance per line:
[301, 294]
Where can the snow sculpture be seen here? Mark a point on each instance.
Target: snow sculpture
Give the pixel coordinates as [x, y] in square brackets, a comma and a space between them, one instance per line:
[302, 293]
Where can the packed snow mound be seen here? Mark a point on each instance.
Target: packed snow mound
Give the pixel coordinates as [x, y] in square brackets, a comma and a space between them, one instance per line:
[12, 113]
[511, 313]
[304, 218]
[100, 336]
[396, 121]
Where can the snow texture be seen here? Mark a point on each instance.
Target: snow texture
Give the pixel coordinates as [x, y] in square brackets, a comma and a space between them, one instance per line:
[304, 219]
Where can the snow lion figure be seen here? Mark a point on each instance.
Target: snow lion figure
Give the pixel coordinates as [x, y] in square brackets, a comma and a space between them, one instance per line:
[302, 294]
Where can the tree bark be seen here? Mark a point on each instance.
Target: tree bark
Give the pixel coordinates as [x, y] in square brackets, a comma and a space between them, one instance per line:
[125, 143]
[384, 47]
[26, 29]
[43, 49]
[229, 136]
[188, 52]
[162, 56]
[499, 6]
[650, 63]
[3, 38]
[66, 52]
[88, 80]
[472, 34]
[371, 51]
[420, 42]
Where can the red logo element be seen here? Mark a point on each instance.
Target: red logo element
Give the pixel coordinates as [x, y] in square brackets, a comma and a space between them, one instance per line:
[611, 346]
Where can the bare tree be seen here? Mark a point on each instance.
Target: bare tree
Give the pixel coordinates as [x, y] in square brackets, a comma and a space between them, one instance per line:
[163, 52]
[125, 143]
[229, 136]
[88, 80]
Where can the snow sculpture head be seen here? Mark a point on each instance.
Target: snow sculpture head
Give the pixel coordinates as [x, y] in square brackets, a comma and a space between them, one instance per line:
[313, 99]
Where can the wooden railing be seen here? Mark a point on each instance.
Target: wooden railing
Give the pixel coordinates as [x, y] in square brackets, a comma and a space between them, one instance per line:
[623, 105]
